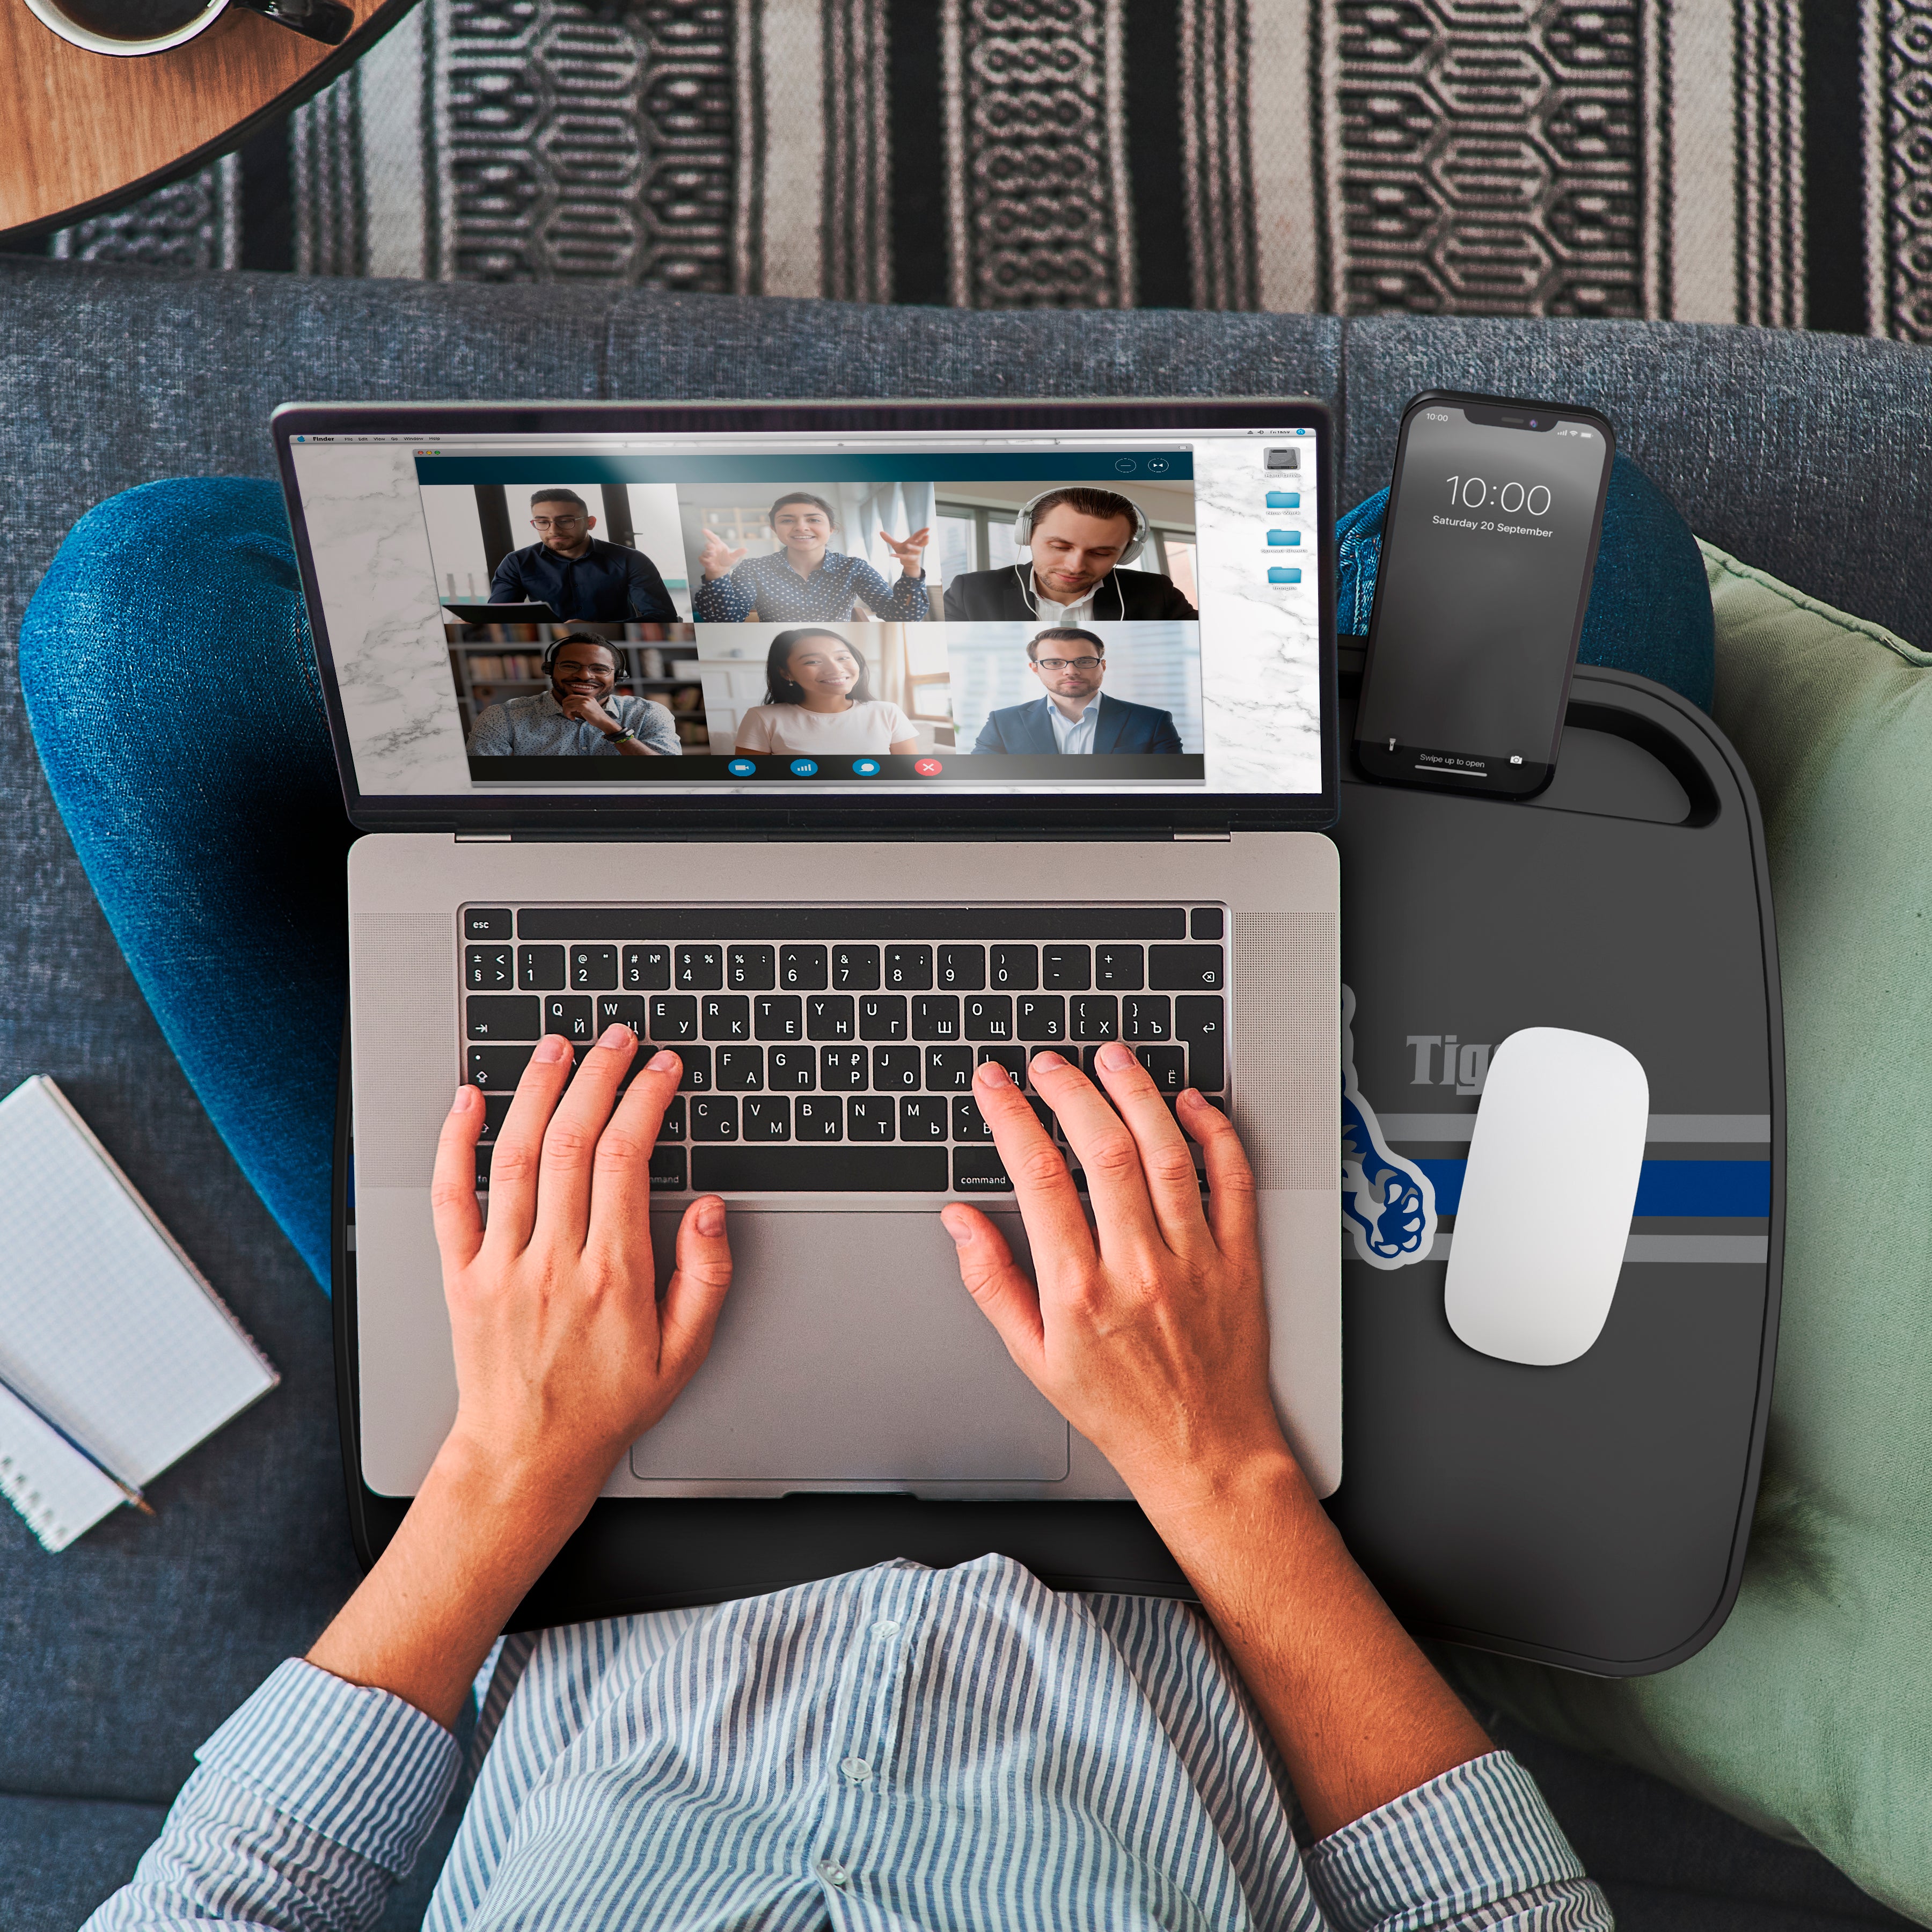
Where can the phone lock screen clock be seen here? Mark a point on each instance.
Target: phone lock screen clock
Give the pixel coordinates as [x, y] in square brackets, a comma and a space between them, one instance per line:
[1488, 544]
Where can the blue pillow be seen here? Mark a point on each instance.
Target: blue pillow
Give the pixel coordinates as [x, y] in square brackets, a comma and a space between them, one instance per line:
[1650, 601]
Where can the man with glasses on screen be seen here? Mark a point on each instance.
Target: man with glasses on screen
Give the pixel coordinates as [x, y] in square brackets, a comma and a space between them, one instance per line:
[581, 577]
[1074, 715]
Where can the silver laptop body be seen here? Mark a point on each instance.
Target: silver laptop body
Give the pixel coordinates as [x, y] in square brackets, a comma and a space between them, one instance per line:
[849, 1357]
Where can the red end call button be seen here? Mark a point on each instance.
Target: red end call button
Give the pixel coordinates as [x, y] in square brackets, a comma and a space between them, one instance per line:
[928, 768]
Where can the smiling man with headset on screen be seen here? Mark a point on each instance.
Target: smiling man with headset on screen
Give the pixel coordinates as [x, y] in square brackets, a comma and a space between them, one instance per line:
[1079, 539]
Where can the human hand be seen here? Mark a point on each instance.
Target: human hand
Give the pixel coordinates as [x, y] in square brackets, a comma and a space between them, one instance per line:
[1147, 1332]
[718, 558]
[580, 704]
[911, 553]
[564, 1355]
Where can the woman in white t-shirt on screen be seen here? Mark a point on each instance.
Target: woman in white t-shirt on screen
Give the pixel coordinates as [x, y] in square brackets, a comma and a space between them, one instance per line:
[817, 703]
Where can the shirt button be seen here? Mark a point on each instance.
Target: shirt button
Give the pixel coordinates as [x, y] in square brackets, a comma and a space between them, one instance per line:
[885, 1626]
[832, 1871]
[856, 1769]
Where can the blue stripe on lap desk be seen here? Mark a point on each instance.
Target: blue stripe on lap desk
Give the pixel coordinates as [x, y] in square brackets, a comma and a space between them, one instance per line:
[1734, 1189]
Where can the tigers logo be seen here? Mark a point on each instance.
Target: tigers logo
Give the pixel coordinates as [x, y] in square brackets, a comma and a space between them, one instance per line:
[1388, 1203]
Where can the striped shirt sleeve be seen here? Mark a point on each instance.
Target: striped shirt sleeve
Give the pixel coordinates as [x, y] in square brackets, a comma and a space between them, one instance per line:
[1476, 1846]
[310, 1802]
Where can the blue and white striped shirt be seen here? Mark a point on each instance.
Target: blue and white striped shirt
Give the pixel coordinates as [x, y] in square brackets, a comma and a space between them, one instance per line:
[898, 1748]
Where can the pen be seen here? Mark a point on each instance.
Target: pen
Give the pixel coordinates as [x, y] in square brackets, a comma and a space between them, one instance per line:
[127, 1489]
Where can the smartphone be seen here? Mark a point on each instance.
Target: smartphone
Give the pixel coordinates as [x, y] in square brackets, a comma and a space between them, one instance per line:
[1494, 515]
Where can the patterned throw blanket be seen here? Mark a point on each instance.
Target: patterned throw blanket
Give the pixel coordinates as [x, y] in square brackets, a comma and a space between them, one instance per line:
[1751, 160]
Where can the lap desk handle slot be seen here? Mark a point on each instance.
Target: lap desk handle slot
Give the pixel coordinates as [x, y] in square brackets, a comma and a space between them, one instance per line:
[1594, 1513]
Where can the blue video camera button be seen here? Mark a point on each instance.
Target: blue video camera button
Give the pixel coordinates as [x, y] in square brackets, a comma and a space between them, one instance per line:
[741, 768]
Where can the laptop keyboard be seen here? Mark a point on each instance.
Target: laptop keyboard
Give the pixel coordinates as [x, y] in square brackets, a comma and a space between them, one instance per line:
[831, 1049]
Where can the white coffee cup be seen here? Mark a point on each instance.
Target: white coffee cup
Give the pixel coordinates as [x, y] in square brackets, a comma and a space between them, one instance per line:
[124, 27]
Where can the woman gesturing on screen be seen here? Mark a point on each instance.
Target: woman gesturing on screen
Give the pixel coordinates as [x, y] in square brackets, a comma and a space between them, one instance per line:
[804, 581]
[816, 701]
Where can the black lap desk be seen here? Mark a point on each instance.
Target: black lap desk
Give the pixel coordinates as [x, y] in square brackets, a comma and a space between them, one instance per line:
[1594, 1515]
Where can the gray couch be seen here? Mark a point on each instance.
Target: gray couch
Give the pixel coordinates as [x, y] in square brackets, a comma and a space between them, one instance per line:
[1797, 453]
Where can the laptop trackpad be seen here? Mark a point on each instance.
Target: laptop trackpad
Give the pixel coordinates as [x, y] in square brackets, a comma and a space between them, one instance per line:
[848, 1351]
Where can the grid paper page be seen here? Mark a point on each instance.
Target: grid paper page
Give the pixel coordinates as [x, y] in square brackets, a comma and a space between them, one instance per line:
[58, 1490]
[105, 1327]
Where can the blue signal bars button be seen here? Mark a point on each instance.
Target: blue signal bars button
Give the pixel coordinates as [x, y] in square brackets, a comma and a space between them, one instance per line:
[804, 768]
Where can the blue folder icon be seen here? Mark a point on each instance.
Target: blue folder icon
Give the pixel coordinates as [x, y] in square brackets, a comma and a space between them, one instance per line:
[1281, 574]
[1284, 539]
[1284, 500]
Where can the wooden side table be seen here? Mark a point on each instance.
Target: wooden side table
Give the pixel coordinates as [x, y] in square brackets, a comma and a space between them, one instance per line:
[82, 133]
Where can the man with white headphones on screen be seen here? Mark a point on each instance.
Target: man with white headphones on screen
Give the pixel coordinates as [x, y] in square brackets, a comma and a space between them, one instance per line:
[1079, 538]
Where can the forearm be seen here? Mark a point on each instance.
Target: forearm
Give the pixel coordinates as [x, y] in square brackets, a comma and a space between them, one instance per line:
[475, 1540]
[1360, 1715]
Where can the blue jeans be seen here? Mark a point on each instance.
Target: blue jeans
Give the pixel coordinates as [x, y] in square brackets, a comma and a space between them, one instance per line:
[173, 695]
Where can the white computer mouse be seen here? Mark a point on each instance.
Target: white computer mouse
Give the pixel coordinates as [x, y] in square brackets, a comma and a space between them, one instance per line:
[1547, 1197]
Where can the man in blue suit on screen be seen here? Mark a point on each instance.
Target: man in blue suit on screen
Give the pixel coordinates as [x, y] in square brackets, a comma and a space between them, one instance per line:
[1074, 715]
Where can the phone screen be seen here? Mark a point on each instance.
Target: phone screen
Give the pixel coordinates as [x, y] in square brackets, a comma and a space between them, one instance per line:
[1491, 538]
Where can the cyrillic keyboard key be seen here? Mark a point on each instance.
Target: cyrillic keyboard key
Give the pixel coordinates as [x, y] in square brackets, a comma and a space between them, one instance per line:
[495, 1106]
[739, 1070]
[1146, 1016]
[895, 1069]
[593, 969]
[621, 1010]
[1012, 1058]
[1200, 1022]
[779, 1016]
[963, 968]
[488, 923]
[699, 969]
[725, 1016]
[821, 1117]
[540, 968]
[750, 969]
[1184, 969]
[791, 1069]
[819, 1170]
[843, 1067]
[504, 1016]
[1065, 969]
[968, 1122]
[923, 1118]
[869, 1117]
[646, 969]
[713, 1117]
[1093, 1016]
[989, 1016]
[697, 1077]
[671, 1127]
[766, 1117]
[882, 1016]
[908, 969]
[855, 969]
[490, 969]
[1118, 969]
[802, 968]
[1168, 1064]
[570, 1015]
[979, 1170]
[1015, 968]
[496, 1070]
[948, 1069]
[667, 1171]
[935, 1016]
[1042, 1016]
[673, 1018]
[829, 1016]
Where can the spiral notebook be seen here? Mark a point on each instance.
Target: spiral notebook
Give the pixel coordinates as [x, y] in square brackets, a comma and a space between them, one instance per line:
[116, 1358]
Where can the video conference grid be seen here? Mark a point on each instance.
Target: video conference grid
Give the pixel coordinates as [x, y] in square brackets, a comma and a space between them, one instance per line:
[832, 1049]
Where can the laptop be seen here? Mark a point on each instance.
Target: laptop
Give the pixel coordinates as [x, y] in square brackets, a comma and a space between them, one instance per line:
[888, 742]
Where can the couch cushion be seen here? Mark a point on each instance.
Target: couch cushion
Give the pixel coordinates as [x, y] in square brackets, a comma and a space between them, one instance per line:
[1809, 1713]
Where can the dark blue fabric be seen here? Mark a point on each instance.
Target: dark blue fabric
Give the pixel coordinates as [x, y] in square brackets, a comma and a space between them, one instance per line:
[606, 585]
[1650, 601]
[1121, 727]
[202, 797]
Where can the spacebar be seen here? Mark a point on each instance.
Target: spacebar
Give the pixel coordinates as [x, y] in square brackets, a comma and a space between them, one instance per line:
[818, 1170]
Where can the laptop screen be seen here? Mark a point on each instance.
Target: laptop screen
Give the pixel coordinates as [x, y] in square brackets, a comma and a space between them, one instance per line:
[511, 614]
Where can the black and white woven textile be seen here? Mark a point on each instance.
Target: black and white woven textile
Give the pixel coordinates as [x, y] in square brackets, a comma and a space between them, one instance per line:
[1753, 160]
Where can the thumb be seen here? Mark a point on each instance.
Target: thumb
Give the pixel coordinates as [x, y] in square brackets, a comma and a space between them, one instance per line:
[1007, 1297]
[688, 1316]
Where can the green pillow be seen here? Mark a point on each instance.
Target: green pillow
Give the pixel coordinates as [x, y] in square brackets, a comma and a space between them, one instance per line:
[1809, 1713]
